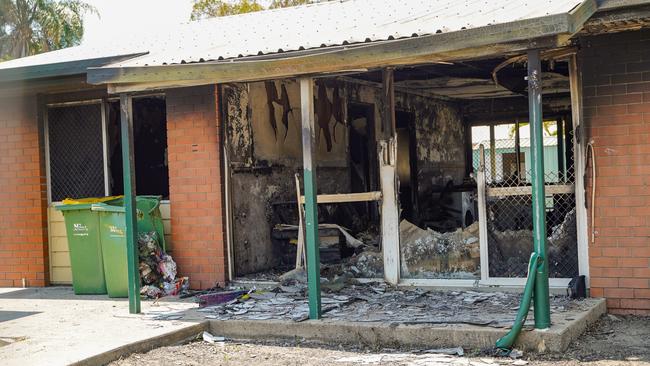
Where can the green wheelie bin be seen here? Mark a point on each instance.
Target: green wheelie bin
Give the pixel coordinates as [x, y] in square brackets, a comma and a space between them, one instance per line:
[85, 247]
[112, 223]
[148, 214]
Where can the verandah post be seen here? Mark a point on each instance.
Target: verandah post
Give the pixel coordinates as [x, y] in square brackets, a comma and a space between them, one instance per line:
[311, 207]
[128, 166]
[541, 302]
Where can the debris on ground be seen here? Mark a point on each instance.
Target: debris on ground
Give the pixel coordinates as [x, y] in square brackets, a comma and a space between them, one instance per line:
[515, 354]
[510, 249]
[218, 297]
[157, 269]
[453, 254]
[367, 264]
[378, 302]
[628, 345]
[208, 337]
[457, 351]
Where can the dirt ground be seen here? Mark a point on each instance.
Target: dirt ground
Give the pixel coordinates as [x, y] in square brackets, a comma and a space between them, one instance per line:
[614, 340]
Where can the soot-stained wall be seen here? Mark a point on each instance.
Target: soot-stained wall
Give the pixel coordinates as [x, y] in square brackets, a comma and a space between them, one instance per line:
[264, 159]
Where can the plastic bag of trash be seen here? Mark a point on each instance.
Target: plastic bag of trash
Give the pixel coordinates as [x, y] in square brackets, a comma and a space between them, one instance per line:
[167, 268]
[175, 287]
[151, 292]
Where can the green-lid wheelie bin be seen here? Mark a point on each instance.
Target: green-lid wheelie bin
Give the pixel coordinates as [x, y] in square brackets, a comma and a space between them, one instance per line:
[85, 248]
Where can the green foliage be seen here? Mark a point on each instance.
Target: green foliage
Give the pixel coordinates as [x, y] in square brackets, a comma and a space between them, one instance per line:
[28, 27]
[287, 3]
[217, 8]
[546, 125]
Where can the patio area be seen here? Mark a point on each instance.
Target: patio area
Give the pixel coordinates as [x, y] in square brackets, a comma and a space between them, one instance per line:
[55, 327]
[52, 326]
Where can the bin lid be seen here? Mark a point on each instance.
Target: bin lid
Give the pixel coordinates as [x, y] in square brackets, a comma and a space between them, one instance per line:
[72, 204]
[103, 207]
[73, 207]
[87, 200]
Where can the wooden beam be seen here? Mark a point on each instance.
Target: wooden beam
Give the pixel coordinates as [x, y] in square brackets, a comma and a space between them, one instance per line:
[75, 83]
[527, 190]
[126, 115]
[389, 210]
[388, 126]
[346, 197]
[311, 207]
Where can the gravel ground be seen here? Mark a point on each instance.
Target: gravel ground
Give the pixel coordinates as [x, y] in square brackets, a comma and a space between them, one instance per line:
[614, 340]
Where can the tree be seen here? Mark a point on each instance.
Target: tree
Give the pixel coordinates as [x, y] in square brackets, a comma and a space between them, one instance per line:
[287, 3]
[28, 27]
[217, 8]
[546, 125]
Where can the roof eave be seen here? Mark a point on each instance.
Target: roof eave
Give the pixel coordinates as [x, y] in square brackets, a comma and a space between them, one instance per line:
[60, 68]
[543, 32]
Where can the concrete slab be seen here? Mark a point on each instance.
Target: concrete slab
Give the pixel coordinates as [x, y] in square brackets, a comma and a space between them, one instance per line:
[566, 327]
[52, 326]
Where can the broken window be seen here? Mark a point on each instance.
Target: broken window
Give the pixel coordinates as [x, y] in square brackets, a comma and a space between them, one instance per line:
[509, 197]
[149, 147]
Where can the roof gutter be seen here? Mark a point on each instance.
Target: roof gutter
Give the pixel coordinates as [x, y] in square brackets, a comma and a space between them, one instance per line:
[543, 32]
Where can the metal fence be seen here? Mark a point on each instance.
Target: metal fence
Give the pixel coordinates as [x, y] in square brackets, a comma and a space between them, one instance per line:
[76, 158]
[508, 206]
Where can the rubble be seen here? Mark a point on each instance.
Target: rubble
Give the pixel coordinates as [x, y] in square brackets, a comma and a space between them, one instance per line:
[510, 249]
[377, 302]
[208, 337]
[367, 264]
[428, 253]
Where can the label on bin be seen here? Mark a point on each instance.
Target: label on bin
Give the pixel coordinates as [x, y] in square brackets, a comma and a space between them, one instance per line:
[79, 230]
[115, 231]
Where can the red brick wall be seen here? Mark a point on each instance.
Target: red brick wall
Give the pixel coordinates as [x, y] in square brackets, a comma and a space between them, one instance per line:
[616, 89]
[23, 196]
[194, 150]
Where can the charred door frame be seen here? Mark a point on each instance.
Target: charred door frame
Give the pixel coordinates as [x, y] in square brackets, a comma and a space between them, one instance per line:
[409, 123]
[366, 110]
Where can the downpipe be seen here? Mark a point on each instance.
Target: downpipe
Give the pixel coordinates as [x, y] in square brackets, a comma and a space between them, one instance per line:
[504, 344]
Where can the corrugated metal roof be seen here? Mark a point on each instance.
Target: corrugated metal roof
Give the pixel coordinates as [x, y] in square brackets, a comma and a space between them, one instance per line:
[333, 23]
[312, 26]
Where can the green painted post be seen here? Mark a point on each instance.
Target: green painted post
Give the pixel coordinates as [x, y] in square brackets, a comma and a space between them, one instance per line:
[311, 207]
[128, 165]
[541, 303]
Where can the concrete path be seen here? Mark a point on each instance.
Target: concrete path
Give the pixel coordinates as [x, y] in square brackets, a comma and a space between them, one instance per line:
[52, 326]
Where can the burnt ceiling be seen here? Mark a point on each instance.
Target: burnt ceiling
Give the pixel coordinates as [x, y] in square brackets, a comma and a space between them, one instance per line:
[473, 79]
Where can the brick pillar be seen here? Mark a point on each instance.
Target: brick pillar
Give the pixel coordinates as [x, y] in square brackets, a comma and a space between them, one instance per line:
[195, 185]
[616, 91]
[23, 196]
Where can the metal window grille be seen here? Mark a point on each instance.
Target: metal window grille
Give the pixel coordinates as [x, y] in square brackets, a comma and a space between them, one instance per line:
[509, 206]
[76, 158]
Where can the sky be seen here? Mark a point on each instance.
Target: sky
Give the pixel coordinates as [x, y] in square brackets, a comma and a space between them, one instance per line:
[135, 15]
[132, 16]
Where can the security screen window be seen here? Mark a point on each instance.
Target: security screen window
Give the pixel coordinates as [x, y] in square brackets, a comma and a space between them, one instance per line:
[75, 149]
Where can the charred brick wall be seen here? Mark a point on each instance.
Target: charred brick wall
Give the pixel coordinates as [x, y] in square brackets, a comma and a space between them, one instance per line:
[616, 94]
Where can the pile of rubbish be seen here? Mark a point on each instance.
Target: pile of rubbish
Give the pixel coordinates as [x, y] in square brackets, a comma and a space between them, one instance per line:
[428, 253]
[376, 302]
[510, 250]
[157, 269]
[367, 264]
